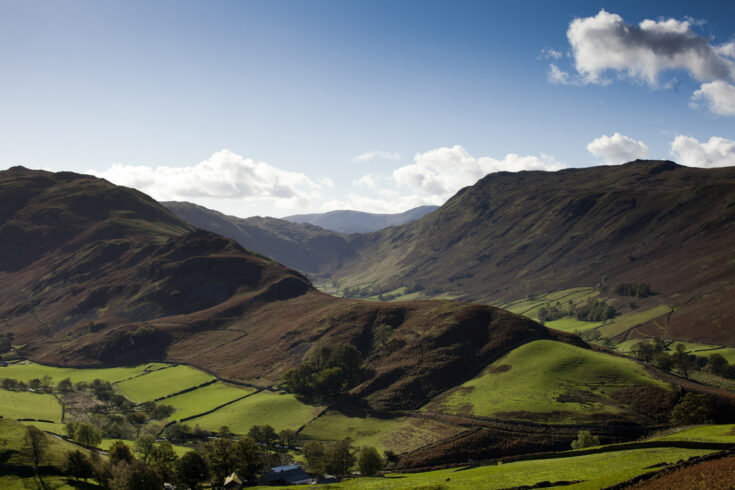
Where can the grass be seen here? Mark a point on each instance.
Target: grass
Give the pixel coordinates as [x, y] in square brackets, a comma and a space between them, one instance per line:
[12, 482]
[106, 444]
[545, 381]
[530, 306]
[162, 383]
[56, 428]
[627, 321]
[29, 405]
[595, 470]
[27, 370]
[204, 399]
[12, 442]
[399, 435]
[705, 433]
[572, 325]
[280, 410]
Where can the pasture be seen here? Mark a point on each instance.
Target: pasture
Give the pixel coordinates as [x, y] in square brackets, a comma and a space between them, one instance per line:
[163, 382]
[29, 405]
[204, 399]
[545, 381]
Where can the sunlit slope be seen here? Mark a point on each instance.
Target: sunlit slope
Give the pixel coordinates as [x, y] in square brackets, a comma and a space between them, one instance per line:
[546, 381]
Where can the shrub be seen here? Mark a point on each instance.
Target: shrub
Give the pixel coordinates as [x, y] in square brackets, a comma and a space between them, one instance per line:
[585, 439]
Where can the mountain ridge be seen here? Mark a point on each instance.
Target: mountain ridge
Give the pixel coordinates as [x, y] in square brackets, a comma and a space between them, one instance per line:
[348, 221]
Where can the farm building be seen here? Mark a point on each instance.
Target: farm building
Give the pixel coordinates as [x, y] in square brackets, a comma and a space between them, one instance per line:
[286, 475]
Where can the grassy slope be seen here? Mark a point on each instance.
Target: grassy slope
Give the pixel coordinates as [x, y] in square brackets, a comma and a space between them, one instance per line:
[704, 433]
[12, 438]
[204, 399]
[400, 434]
[26, 370]
[281, 410]
[539, 374]
[162, 383]
[597, 471]
[28, 405]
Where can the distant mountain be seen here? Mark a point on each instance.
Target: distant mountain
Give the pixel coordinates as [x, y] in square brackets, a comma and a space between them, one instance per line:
[96, 274]
[344, 221]
[302, 246]
[517, 234]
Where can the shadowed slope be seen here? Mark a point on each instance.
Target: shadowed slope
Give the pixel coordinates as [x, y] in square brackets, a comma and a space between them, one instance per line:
[95, 274]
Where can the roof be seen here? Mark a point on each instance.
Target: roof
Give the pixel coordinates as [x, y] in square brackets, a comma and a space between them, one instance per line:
[292, 473]
[233, 478]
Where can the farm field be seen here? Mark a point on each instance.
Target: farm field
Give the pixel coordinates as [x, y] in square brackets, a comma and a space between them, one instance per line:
[27, 370]
[29, 405]
[204, 399]
[106, 444]
[572, 325]
[704, 433]
[629, 320]
[529, 307]
[280, 410]
[161, 383]
[399, 435]
[545, 381]
[12, 438]
[591, 471]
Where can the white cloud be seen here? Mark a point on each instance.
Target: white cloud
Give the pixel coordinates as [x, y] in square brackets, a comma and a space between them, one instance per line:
[441, 172]
[617, 149]
[717, 152]
[550, 54]
[606, 42]
[719, 96]
[365, 181]
[224, 175]
[376, 154]
[558, 76]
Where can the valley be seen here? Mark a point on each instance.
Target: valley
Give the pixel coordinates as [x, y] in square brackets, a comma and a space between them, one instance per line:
[157, 325]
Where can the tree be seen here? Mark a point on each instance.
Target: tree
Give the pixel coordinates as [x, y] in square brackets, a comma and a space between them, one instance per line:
[340, 457]
[135, 476]
[35, 384]
[289, 438]
[221, 457]
[9, 384]
[369, 462]
[87, 434]
[694, 408]
[163, 457]
[77, 465]
[682, 360]
[191, 469]
[120, 452]
[65, 385]
[315, 457]
[161, 412]
[46, 382]
[225, 432]
[718, 365]
[585, 439]
[144, 445]
[36, 444]
[249, 458]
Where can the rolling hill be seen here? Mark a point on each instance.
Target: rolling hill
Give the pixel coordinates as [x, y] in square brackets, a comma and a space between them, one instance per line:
[345, 221]
[92, 274]
[515, 235]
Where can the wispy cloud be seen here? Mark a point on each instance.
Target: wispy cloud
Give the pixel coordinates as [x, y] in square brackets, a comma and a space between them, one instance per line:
[376, 155]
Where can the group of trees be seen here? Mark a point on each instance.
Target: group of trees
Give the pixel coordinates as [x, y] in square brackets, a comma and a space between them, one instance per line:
[655, 352]
[642, 290]
[330, 371]
[593, 310]
[338, 458]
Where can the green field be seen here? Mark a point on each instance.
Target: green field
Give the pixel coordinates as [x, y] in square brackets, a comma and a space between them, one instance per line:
[594, 471]
[163, 382]
[530, 306]
[545, 381]
[27, 370]
[28, 405]
[399, 435]
[280, 410]
[106, 444]
[705, 433]
[204, 399]
[629, 320]
[572, 325]
[12, 439]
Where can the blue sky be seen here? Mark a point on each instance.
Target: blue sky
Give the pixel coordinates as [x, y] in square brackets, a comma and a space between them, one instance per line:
[281, 107]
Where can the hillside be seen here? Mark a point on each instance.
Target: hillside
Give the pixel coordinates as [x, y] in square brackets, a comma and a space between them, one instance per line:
[302, 246]
[92, 274]
[345, 221]
[515, 235]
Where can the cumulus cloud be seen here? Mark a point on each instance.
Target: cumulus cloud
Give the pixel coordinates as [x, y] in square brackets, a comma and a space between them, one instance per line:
[365, 181]
[224, 175]
[443, 171]
[558, 76]
[617, 149]
[718, 96]
[376, 154]
[606, 42]
[717, 152]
